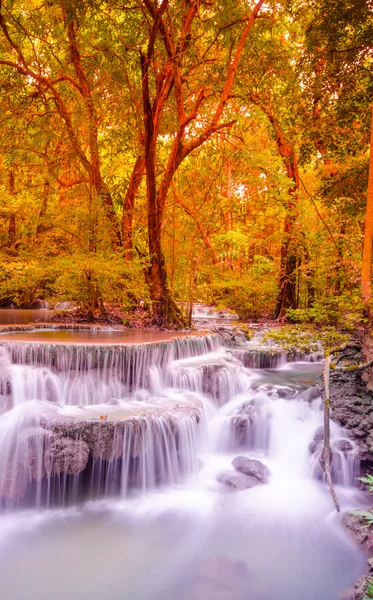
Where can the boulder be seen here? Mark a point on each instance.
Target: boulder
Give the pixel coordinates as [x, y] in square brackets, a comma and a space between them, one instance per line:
[286, 393]
[343, 445]
[319, 434]
[252, 468]
[237, 481]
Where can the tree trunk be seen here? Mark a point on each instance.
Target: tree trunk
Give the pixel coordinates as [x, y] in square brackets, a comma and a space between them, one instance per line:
[366, 289]
[12, 216]
[287, 297]
[129, 202]
[165, 308]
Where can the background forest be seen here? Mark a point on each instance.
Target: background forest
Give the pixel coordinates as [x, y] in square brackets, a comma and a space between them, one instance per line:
[191, 150]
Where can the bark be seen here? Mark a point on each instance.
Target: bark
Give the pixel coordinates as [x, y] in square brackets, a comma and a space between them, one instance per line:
[165, 308]
[129, 202]
[366, 288]
[12, 216]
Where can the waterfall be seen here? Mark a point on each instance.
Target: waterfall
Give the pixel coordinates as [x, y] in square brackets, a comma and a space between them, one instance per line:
[96, 420]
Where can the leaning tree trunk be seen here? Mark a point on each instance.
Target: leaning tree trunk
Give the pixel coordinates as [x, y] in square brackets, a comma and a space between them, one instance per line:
[366, 289]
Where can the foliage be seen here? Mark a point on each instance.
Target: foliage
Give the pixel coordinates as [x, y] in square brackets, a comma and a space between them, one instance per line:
[303, 338]
[340, 311]
[71, 135]
[82, 278]
[253, 295]
[368, 479]
[370, 591]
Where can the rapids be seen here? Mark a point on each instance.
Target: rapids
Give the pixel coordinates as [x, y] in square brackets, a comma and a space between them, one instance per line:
[110, 475]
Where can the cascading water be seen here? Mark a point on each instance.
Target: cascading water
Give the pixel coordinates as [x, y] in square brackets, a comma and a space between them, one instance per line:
[175, 459]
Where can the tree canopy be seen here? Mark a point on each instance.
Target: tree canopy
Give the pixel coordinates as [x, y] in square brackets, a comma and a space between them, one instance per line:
[161, 153]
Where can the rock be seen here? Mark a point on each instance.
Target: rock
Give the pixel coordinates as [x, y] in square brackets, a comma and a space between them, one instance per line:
[5, 373]
[357, 525]
[251, 467]
[370, 564]
[237, 481]
[361, 587]
[343, 445]
[336, 461]
[319, 434]
[65, 455]
[352, 407]
[286, 393]
[313, 446]
[231, 338]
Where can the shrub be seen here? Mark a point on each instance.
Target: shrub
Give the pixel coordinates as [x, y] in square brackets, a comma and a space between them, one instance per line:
[344, 311]
[86, 279]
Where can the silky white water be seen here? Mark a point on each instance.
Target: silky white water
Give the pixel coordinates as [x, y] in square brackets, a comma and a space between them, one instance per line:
[149, 520]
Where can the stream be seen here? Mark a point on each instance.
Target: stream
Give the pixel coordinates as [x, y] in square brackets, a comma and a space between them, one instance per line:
[163, 521]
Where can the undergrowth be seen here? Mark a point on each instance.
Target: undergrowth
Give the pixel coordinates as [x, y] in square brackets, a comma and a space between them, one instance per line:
[306, 338]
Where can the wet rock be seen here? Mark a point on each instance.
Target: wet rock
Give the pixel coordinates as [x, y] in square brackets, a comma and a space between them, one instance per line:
[237, 481]
[361, 587]
[13, 484]
[352, 407]
[319, 434]
[286, 393]
[231, 337]
[259, 358]
[316, 446]
[104, 439]
[357, 525]
[251, 467]
[65, 455]
[5, 374]
[343, 445]
[370, 564]
[312, 447]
